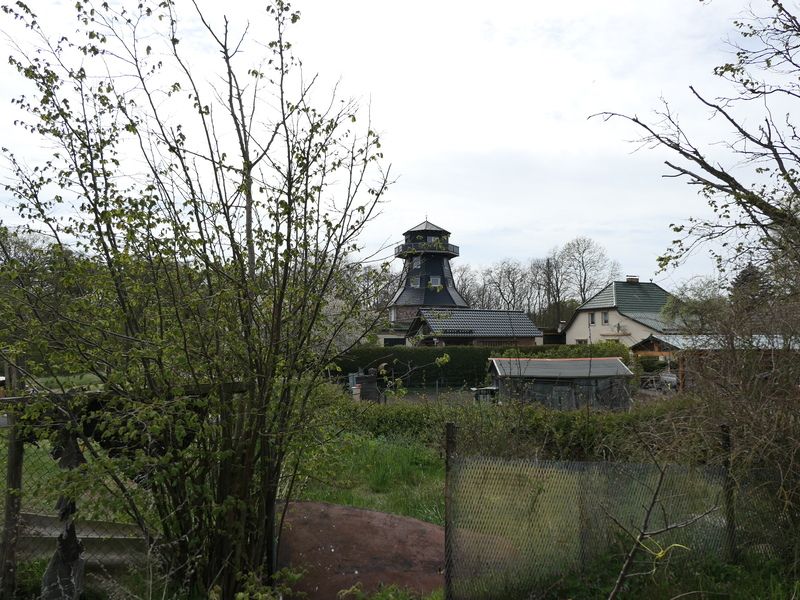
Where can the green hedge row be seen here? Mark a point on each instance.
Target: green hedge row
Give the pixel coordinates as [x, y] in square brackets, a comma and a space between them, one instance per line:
[421, 366]
[599, 350]
[518, 430]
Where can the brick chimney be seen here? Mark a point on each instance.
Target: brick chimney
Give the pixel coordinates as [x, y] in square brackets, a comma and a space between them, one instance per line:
[632, 278]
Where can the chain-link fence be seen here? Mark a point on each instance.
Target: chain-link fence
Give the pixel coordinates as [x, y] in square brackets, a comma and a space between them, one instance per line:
[516, 527]
[44, 502]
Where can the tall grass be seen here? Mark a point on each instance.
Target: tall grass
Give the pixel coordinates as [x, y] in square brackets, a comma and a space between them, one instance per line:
[394, 475]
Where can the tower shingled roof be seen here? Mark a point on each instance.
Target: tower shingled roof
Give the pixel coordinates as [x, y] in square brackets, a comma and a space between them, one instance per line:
[426, 226]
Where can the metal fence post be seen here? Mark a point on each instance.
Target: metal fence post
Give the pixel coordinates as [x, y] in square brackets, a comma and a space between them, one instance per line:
[450, 450]
[729, 497]
[13, 498]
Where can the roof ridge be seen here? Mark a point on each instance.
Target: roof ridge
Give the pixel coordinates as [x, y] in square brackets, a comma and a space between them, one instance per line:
[499, 310]
[534, 358]
[426, 226]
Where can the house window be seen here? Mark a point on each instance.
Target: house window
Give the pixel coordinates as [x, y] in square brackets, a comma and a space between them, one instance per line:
[415, 282]
[581, 341]
[435, 280]
[605, 317]
[591, 318]
[416, 262]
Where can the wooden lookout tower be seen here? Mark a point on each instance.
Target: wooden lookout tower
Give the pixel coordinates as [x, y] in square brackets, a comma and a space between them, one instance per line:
[427, 279]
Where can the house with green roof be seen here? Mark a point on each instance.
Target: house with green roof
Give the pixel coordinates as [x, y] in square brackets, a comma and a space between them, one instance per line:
[625, 311]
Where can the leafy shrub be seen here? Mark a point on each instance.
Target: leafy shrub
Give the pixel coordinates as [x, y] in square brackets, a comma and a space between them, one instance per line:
[514, 430]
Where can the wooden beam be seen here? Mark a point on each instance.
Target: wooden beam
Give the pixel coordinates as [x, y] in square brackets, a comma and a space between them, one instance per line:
[204, 389]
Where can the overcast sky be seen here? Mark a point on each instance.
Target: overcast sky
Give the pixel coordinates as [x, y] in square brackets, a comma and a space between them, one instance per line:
[484, 106]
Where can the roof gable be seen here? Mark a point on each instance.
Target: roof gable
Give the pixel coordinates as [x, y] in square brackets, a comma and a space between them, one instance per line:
[426, 226]
[642, 302]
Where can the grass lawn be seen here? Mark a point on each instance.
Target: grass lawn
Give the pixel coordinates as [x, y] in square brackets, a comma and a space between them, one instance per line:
[392, 475]
[503, 511]
[512, 511]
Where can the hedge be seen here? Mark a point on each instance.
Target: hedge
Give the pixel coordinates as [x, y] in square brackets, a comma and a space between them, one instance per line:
[519, 430]
[417, 366]
[467, 366]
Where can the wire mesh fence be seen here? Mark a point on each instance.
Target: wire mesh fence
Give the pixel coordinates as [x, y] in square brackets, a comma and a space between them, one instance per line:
[516, 527]
[49, 501]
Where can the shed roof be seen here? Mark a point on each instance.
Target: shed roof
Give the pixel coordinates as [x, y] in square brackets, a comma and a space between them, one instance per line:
[560, 368]
[720, 342]
[475, 322]
[426, 226]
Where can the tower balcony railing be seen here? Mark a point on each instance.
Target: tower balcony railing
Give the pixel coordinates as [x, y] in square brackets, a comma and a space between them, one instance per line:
[414, 247]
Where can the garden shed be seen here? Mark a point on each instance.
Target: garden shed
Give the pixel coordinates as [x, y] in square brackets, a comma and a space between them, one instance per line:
[563, 383]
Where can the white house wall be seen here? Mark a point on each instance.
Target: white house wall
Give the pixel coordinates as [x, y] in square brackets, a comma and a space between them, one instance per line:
[620, 328]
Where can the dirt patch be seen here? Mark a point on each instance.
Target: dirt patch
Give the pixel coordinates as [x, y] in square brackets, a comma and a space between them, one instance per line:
[340, 546]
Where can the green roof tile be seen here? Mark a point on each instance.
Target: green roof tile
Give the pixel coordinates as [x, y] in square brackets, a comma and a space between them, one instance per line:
[629, 297]
[642, 302]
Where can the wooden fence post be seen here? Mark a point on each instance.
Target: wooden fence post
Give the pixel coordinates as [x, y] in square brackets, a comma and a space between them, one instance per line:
[729, 497]
[450, 450]
[13, 496]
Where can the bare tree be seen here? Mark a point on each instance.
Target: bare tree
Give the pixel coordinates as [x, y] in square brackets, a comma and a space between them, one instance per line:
[485, 294]
[539, 287]
[509, 281]
[742, 360]
[466, 282]
[556, 282]
[588, 267]
[756, 199]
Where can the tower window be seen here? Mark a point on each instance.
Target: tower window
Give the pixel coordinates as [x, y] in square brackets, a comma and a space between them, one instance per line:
[415, 282]
[416, 262]
[432, 239]
[435, 280]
